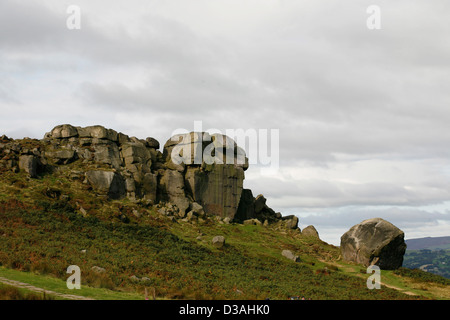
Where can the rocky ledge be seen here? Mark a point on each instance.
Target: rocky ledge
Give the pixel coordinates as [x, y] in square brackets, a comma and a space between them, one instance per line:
[117, 166]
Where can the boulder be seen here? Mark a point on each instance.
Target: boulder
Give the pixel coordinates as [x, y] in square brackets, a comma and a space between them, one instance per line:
[374, 242]
[64, 131]
[216, 187]
[191, 216]
[288, 254]
[29, 164]
[98, 132]
[134, 278]
[252, 222]
[197, 209]
[135, 152]
[290, 222]
[172, 185]
[218, 241]
[63, 156]
[98, 269]
[255, 208]
[211, 179]
[108, 154]
[107, 182]
[149, 186]
[260, 203]
[122, 138]
[226, 220]
[187, 148]
[310, 231]
[246, 208]
[152, 143]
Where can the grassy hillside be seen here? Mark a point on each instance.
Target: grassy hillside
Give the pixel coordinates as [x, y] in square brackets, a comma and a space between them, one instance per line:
[12, 293]
[431, 254]
[43, 231]
[434, 261]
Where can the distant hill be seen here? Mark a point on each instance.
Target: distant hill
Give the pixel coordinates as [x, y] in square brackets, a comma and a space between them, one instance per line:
[431, 243]
[430, 254]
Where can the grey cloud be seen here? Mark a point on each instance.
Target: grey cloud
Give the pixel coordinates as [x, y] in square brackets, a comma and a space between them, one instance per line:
[28, 25]
[315, 193]
[401, 217]
[310, 69]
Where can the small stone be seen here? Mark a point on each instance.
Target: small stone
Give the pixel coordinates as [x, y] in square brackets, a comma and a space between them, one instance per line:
[226, 220]
[136, 213]
[134, 278]
[97, 269]
[288, 254]
[83, 212]
[218, 241]
[253, 222]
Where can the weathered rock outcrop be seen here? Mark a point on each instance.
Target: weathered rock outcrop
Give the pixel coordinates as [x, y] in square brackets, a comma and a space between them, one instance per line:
[251, 207]
[374, 242]
[310, 231]
[196, 175]
[131, 159]
[202, 171]
[107, 182]
[29, 164]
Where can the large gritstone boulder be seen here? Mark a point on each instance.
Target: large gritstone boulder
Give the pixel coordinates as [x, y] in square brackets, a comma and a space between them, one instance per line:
[213, 170]
[374, 242]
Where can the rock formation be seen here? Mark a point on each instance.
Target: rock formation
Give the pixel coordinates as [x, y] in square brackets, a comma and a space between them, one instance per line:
[374, 242]
[310, 231]
[196, 174]
[216, 186]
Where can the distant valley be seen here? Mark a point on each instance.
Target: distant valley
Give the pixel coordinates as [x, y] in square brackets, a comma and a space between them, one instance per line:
[431, 254]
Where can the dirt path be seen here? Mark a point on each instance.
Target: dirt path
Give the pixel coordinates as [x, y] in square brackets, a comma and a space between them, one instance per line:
[27, 286]
[409, 293]
[351, 270]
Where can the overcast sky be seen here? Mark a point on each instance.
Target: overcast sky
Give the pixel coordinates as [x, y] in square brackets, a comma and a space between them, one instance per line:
[363, 114]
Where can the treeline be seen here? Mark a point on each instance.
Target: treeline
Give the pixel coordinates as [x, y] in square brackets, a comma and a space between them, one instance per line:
[434, 261]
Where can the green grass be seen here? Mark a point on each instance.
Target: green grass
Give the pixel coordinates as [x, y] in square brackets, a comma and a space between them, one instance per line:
[42, 233]
[12, 293]
[51, 283]
[422, 276]
[176, 267]
[436, 261]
